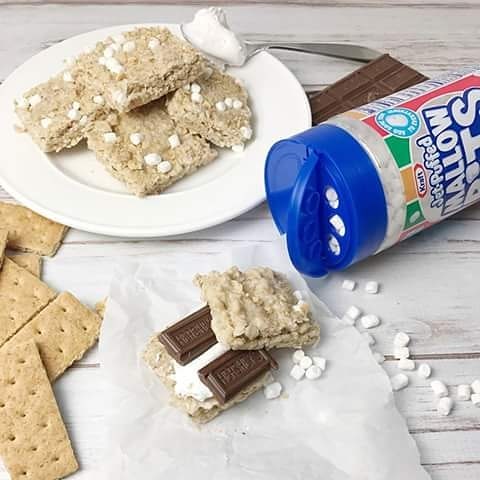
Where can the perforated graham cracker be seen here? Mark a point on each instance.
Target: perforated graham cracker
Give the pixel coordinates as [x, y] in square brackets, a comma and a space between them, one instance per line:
[22, 295]
[3, 244]
[63, 332]
[29, 261]
[30, 232]
[34, 442]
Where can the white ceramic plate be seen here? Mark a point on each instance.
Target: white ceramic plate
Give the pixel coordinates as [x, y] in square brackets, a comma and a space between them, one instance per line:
[73, 188]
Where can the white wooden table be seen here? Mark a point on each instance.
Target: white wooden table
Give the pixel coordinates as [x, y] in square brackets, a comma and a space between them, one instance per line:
[431, 283]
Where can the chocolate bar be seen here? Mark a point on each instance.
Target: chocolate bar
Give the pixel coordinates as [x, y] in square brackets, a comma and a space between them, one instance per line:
[190, 337]
[235, 370]
[380, 77]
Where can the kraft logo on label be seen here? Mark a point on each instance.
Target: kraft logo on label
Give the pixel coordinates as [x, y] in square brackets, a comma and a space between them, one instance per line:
[399, 121]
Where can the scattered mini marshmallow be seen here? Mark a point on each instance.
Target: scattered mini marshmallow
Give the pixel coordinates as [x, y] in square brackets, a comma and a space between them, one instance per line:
[439, 388]
[476, 386]
[320, 362]
[174, 141]
[406, 364]
[195, 88]
[349, 285]
[313, 372]
[401, 352]
[238, 148]
[298, 295]
[109, 52]
[379, 357]
[306, 362]
[76, 105]
[272, 390]
[152, 159]
[67, 77]
[401, 339]
[196, 97]
[34, 100]
[114, 65]
[220, 106]
[153, 43]
[444, 406]
[237, 104]
[424, 370]
[22, 102]
[119, 38]
[464, 392]
[129, 46]
[98, 99]
[370, 321]
[116, 47]
[246, 132]
[297, 356]
[119, 97]
[297, 372]
[353, 312]
[372, 287]
[228, 102]
[476, 399]
[399, 382]
[74, 114]
[369, 338]
[164, 167]
[102, 61]
[83, 120]
[110, 137]
[45, 122]
[136, 138]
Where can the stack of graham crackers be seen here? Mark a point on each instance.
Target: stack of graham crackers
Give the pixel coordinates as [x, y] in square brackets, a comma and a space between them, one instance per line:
[42, 333]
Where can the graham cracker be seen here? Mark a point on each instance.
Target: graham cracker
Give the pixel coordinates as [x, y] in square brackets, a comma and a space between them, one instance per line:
[22, 295]
[3, 244]
[30, 232]
[29, 261]
[100, 307]
[63, 331]
[34, 442]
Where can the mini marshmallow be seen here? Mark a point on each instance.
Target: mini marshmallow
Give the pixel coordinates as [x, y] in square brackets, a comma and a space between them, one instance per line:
[476, 399]
[45, 122]
[196, 97]
[246, 132]
[401, 339]
[186, 87]
[297, 372]
[174, 140]
[298, 295]
[371, 287]
[424, 370]
[67, 77]
[136, 138]
[220, 106]
[379, 357]
[195, 88]
[118, 38]
[119, 97]
[476, 386]
[114, 65]
[237, 104]
[76, 105]
[370, 321]
[305, 362]
[152, 159]
[98, 99]
[102, 61]
[110, 137]
[406, 364]
[444, 406]
[313, 372]
[238, 148]
[109, 52]
[153, 43]
[74, 114]
[273, 390]
[297, 356]
[349, 285]
[164, 167]
[464, 392]
[34, 100]
[368, 338]
[128, 47]
[353, 312]
[83, 120]
[228, 102]
[116, 47]
[401, 352]
[320, 362]
[22, 102]
[439, 388]
[399, 382]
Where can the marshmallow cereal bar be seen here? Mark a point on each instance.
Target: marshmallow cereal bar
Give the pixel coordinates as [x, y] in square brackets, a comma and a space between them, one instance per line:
[138, 66]
[215, 106]
[146, 150]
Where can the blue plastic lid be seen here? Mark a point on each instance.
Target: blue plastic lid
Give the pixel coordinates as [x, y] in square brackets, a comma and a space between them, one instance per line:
[326, 196]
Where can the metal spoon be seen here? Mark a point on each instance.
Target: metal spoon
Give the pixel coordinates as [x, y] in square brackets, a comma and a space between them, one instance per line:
[335, 50]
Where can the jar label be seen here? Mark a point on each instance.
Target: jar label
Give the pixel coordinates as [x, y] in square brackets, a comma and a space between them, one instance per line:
[433, 133]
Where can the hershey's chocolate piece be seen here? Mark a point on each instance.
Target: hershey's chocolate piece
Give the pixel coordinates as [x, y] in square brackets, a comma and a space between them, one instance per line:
[190, 337]
[230, 373]
[380, 77]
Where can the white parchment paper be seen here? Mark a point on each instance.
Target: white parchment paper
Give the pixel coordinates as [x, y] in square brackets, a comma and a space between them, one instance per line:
[343, 426]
